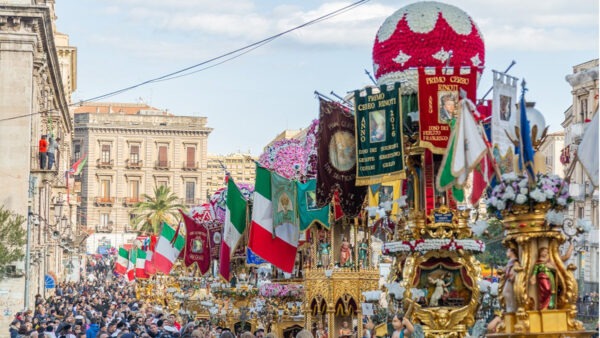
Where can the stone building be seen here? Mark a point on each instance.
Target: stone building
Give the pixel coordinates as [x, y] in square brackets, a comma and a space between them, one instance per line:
[584, 83]
[552, 150]
[37, 77]
[242, 167]
[132, 148]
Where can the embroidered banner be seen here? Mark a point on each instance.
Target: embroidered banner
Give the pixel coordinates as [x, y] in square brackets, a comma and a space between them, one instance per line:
[336, 163]
[379, 145]
[439, 90]
[308, 211]
[504, 115]
[197, 244]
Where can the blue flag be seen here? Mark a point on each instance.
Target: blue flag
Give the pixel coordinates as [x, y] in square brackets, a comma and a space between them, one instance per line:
[526, 146]
[253, 259]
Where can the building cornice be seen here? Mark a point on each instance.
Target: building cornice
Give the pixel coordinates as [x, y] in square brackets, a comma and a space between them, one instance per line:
[143, 131]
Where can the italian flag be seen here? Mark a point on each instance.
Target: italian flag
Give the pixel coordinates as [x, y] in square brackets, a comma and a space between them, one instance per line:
[131, 264]
[140, 264]
[467, 149]
[149, 266]
[122, 261]
[235, 223]
[277, 248]
[169, 245]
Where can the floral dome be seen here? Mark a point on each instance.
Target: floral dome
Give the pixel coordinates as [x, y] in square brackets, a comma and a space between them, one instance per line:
[425, 34]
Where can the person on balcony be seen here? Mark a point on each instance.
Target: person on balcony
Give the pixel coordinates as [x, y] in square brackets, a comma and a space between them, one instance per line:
[52, 148]
[43, 149]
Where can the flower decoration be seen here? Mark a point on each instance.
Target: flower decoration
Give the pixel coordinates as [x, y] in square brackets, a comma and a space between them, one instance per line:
[218, 200]
[425, 245]
[425, 34]
[514, 192]
[274, 290]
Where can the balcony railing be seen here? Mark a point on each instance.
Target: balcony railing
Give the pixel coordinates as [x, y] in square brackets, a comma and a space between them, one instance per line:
[132, 164]
[35, 161]
[104, 228]
[100, 163]
[162, 165]
[191, 201]
[187, 165]
[104, 201]
[131, 201]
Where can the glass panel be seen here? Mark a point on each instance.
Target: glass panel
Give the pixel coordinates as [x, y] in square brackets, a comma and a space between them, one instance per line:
[105, 153]
[134, 154]
[190, 192]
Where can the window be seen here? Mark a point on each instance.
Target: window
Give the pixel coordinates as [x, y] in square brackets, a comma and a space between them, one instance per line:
[134, 154]
[77, 152]
[105, 153]
[104, 219]
[105, 188]
[190, 192]
[162, 156]
[162, 183]
[580, 213]
[584, 108]
[191, 157]
[134, 189]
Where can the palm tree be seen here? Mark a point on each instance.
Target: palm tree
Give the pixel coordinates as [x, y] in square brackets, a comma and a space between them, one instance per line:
[162, 207]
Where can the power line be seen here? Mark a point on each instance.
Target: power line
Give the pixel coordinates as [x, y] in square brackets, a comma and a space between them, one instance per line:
[228, 57]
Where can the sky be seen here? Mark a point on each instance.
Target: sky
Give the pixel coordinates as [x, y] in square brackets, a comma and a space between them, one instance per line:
[251, 99]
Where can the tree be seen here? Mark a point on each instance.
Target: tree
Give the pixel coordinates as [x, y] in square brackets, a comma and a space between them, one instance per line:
[495, 252]
[12, 237]
[162, 207]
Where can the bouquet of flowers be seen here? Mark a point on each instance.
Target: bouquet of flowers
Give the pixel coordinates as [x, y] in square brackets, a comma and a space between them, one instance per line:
[281, 290]
[515, 192]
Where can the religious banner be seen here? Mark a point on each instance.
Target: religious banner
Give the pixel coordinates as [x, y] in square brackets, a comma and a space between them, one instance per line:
[504, 114]
[205, 215]
[336, 162]
[439, 90]
[308, 211]
[197, 244]
[379, 145]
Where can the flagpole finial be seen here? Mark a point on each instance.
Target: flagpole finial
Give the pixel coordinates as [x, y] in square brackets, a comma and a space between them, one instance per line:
[523, 86]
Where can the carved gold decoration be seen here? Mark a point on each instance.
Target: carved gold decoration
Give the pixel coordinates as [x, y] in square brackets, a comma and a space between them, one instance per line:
[457, 228]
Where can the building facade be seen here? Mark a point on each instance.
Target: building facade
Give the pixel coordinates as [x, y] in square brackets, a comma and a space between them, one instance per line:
[584, 84]
[34, 97]
[131, 149]
[242, 167]
[552, 149]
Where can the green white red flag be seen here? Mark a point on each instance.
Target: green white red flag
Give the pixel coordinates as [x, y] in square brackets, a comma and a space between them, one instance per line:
[140, 264]
[122, 261]
[169, 245]
[277, 245]
[131, 264]
[236, 216]
[149, 265]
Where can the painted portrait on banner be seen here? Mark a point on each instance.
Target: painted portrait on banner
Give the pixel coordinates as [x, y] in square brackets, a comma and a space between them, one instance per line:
[342, 151]
[377, 126]
[448, 106]
[505, 107]
[311, 200]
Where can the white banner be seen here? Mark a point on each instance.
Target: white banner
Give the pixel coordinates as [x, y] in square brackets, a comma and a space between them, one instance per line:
[504, 111]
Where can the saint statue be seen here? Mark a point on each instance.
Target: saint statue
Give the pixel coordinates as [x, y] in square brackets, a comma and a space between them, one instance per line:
[508, 290]
[544, 275]
[345, 253]
[363, 250]
[440, 290]
[321, 333]
[346, 331]
[323, 253]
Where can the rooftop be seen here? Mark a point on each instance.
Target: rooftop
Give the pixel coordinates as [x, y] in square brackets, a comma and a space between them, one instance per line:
[120, 108]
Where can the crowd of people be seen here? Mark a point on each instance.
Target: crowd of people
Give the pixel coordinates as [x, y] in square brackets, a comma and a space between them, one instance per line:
[104, 307]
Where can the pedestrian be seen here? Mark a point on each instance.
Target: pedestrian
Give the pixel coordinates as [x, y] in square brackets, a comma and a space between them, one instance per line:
[43, 149]
[52, 149]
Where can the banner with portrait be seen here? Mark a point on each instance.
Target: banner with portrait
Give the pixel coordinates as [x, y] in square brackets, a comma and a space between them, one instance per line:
[283, 197]
[336, 161]
[504, 112]
[379, 145]
[308, 211]
[439, 93]
[197, 244]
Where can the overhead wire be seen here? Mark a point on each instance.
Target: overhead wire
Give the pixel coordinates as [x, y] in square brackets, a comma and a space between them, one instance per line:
[229, 56]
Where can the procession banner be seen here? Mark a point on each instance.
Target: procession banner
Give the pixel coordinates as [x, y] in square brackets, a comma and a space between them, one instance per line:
[197, 244]
[439, 90]
[504, 114]
[379, 145]
[336, 163]
[308, 211]
[386, 192]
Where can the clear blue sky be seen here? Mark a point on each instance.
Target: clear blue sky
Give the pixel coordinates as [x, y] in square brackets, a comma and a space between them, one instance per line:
[251, 99]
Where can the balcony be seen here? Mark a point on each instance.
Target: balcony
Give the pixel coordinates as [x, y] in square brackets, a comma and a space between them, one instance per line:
[574, 133]
[104, 164]
[162, 165]
[132, 164]
[104, 228]
[131, 201]
[190, 202]
[187, 165]
[104, 201]
[35, 162]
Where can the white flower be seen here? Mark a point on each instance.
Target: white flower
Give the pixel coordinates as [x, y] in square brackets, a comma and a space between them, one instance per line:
[555, 218]
[585, 225]
[537, 195]
[549, 194]
[561, 201]
[500, 205]
[521, 199]
[509, 177]
[524, 191]
[509, 194]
